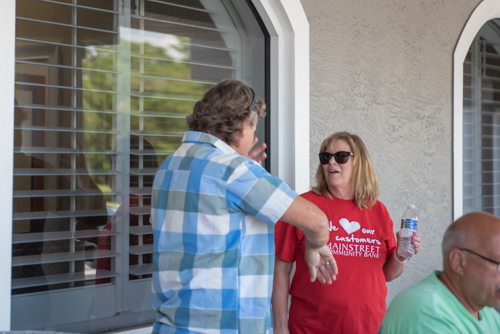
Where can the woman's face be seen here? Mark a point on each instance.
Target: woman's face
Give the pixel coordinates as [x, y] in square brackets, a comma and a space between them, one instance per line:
[337, 176]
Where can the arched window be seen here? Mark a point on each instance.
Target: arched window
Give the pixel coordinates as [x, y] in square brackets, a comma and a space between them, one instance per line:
[476, 113]
[102, 90]
[481, 122]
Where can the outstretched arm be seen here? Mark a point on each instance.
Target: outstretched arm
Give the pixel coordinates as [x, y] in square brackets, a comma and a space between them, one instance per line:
[312, 221]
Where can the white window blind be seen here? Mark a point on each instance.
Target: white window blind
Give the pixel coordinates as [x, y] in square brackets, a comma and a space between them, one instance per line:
[102, 91]
[481, 136]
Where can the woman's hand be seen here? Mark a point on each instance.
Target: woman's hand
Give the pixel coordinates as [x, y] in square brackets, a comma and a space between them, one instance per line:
[415, 241]
[394, 266]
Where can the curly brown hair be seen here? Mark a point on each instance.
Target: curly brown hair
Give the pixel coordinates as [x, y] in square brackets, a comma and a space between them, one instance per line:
[223, 110]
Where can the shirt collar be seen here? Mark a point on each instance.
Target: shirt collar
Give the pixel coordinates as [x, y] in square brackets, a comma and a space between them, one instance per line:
[202, 137]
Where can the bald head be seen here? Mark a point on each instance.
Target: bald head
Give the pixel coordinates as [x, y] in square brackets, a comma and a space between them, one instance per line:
[476, 230]
[470, 254]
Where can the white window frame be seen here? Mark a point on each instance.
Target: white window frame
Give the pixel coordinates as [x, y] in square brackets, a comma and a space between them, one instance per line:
[485, 11]
[7, 57]
[288, 28]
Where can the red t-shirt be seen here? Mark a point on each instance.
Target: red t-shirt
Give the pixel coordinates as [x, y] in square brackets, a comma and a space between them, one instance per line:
[361, 241]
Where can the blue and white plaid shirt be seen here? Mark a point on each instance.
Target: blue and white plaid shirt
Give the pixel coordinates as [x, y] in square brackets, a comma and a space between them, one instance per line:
[213, 213]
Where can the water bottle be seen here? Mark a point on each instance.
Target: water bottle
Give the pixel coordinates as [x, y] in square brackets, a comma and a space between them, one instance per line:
[409, 223]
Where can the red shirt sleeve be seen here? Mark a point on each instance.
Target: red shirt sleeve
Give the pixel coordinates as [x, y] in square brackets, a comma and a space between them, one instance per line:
[287, 240]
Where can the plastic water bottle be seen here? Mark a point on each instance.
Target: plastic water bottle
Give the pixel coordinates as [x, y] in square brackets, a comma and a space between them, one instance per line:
[409, 223]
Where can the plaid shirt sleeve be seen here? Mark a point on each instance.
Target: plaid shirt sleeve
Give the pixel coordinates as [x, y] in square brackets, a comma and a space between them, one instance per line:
[251, 189]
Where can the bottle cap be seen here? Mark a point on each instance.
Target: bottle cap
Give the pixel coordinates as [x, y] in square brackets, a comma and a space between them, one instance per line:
[410, 207]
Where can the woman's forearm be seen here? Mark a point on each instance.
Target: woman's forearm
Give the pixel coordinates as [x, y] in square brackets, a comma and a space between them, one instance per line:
[279, 299]
[393, 268]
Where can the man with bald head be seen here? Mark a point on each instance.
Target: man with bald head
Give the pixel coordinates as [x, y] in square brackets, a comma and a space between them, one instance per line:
[460, 299]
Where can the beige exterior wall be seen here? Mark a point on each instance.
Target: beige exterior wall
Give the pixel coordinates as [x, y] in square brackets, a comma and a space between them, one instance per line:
[383, 70]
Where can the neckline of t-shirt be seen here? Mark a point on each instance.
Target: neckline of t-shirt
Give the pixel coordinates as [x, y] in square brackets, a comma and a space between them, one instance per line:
[336, 199]
[480, 313]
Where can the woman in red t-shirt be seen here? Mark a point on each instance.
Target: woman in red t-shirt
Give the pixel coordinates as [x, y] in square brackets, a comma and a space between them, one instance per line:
[361, 240]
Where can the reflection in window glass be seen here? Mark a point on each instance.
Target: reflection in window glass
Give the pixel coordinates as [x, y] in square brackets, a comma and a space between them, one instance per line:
[102, 92]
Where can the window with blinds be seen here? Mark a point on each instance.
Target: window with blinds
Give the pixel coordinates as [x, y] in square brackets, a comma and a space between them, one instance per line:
[481, 122]
[103, 88]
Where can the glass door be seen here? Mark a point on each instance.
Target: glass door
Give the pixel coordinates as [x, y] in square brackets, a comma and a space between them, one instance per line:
[102, 92]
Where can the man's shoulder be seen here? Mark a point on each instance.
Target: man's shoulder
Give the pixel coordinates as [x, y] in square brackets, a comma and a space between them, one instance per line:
[426, 307]
[420, 291]
[197, 156]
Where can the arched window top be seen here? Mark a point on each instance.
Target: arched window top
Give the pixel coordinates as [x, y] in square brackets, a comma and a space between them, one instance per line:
[463, 168]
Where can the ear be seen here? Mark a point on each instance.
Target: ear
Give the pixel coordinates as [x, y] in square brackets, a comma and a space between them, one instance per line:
[237, 138]
[457, 261]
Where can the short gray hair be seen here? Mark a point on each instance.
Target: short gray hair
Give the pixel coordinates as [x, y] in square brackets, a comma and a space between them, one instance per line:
[454, 237]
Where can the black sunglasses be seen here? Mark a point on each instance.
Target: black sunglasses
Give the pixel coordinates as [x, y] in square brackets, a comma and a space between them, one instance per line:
[340, 157]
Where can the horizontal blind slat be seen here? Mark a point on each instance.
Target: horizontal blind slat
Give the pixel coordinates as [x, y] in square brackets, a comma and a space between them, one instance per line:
[60, 172]
[25, 62]
[61, 129]
[151, 152]
[164, 96]
[63, 235]
[141, 190]
[49, 107]
[184, 24]
[482, 196]
[66, 25]
[143, 171]
[140, 210]
[182, 6]
[81, 6]
[197, 63]
[57, 150]
[60, 193]
[61, 257]
[144, 76]
[142, 269]
[482, 112]
[141, 249]
[157, 134]
[63, 278]
[64, 44]
[82, 89]
[482, 184]
[490, 172]
[157, 114]
[141, 230]
[59, 214]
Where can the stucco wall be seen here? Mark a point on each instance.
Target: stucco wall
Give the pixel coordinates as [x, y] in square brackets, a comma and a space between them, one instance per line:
[383, 69]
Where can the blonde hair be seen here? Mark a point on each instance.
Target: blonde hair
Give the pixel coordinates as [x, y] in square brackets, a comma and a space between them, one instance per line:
[363, 179]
